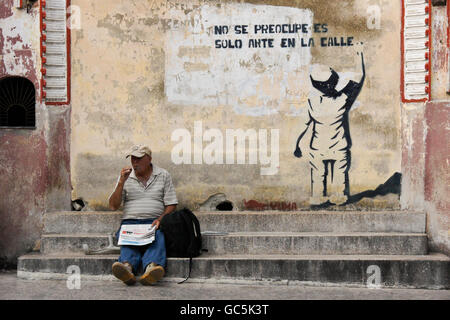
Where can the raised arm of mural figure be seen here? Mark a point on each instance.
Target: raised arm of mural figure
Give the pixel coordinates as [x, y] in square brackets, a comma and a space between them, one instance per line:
[298, 152]
[361, 82]
[115, 200]
[352, 89]
[363, 67]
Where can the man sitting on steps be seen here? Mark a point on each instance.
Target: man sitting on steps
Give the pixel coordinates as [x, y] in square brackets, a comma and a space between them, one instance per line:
[148, 194]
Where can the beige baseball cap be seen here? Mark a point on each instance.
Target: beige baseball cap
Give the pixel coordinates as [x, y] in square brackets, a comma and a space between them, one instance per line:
[139, 151]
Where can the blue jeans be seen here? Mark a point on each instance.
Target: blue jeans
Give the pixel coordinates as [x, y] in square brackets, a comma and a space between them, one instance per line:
[139, 256]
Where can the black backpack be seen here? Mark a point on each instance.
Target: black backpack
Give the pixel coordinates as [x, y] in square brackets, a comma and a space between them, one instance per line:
[182, 235]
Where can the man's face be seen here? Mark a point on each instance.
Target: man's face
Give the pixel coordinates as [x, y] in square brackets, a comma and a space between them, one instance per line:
[140, 165]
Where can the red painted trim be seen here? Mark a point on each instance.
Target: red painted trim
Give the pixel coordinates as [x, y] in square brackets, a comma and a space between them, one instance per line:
[448, 46]
[69, 59]
[448, 24]
[41, 5]
[402, 48]
[448, 35]
[68, 56]
[430, 45]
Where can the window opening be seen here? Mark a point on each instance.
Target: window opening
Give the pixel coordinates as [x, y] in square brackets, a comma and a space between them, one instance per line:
[17, 103]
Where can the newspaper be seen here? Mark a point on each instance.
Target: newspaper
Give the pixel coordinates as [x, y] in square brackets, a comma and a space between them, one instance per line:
[136, 234]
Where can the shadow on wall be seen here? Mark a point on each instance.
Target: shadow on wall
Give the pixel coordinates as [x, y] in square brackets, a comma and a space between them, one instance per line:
[219, 202]
[392, 185]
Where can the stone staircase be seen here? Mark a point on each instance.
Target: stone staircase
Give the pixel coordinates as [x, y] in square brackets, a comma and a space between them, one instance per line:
[384, 249]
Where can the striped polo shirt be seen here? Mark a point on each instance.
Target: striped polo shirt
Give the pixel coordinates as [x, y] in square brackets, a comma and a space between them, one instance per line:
[148, 201]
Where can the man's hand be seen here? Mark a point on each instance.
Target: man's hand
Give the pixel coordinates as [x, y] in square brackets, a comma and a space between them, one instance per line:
[157, 223]
[167, 209]
[124, 174]
[115, 199]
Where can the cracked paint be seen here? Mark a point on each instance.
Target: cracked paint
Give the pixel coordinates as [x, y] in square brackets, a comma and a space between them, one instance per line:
[34, 163]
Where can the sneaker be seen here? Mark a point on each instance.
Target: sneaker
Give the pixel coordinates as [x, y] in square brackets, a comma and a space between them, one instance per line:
[153, 273]
[124, 272]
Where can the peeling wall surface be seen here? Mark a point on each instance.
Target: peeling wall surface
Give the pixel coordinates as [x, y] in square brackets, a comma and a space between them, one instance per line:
[193, 79]
[250, 105]
[437, 175]
[425, 152]
[34, 163]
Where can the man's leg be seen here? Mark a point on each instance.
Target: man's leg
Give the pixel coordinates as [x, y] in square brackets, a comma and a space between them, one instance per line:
[154, 260]
[132, 255]
[156, 251]
[129, 260]
[128, 264]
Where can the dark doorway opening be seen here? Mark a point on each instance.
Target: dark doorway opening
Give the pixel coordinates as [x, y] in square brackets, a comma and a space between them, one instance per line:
[17, 103]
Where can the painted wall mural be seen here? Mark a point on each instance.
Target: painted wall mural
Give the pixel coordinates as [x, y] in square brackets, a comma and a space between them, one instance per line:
[330, 143]
[276, 105]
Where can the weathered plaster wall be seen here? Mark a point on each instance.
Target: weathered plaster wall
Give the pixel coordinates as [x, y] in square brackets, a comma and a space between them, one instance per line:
[437, 175]
[439, 58]
[413, 156]
[135, 71]
[34, 163]
[425, 144]
[143, 70]
[436, 178]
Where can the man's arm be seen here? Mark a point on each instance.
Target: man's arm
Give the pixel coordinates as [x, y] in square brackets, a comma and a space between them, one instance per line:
[115, 199]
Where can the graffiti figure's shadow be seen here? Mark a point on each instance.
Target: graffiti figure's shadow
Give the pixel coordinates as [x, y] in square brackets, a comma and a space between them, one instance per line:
[392, 185]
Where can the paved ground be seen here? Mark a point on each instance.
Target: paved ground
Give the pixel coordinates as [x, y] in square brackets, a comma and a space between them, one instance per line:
[13, 288]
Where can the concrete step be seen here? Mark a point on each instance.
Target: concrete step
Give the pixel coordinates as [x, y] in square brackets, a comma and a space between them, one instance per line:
[70, 222]
[72, 243]
[314, 221]
[326, 243]
[418, 271]
[269, 243]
